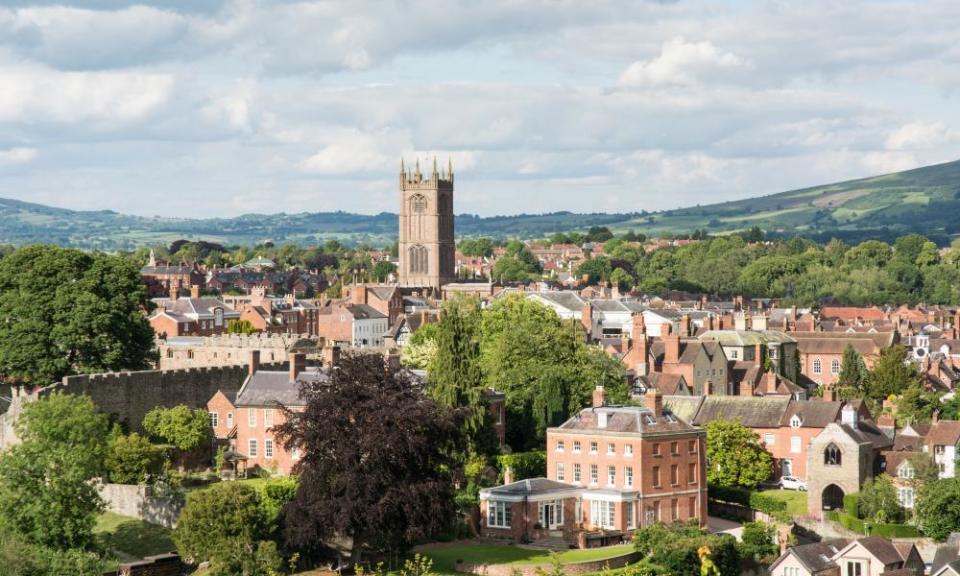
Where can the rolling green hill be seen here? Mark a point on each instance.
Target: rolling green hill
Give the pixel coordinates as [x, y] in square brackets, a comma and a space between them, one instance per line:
[925, 200]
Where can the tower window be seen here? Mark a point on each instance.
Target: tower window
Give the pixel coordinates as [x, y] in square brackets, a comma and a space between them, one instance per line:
[418, 203]
[418, 256]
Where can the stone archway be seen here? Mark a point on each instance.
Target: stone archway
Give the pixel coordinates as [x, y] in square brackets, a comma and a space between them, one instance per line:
[832, 497]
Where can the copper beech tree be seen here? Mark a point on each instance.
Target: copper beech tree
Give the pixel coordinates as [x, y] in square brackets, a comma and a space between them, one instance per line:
[375, 460]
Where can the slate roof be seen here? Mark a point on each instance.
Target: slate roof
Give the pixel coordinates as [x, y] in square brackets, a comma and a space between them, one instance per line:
[754, 412]
[868, 433]
[271, 388]
[194, 308]
[689, 350]
[947, 553]
[813, 413]
[836, 342]
[817, 556]
[885, 551]
[683, 407]
[365, 312]
[746, 337]
[626, 419]
[666, 384]
[564, 299]
[528, 487]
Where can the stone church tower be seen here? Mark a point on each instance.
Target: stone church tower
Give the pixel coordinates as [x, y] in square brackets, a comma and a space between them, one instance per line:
[426, 244]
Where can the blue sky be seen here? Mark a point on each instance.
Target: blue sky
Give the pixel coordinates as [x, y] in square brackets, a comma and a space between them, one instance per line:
[202, 108]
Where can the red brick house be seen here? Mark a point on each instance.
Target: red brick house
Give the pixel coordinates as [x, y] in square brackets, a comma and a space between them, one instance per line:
[610, 469]
[160, 277]
[190, 316]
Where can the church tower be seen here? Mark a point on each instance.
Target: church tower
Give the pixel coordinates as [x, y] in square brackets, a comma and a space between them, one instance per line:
[426, 244]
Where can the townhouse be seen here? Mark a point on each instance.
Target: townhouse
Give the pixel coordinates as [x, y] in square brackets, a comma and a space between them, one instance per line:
[610, 469]
[870, 556]
[191, 315]
[355, 325]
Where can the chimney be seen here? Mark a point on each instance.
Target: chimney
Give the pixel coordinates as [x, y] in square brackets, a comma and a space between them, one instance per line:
[746, 388]
[759, 322]
[671, 348]
[639, 326]
[685, 326]
[772, 381]
[358, 293]
[586, 318]
[174, 292]
[758, 353]
[254, 362]
[793, 314]
[331, 355]
[508, 475]
[709, 322]
[194, 291]
[740, 321]
[298, 363]
[599, 396]
[653, 400]
[935, 418]
[886, 421]
[738, 304]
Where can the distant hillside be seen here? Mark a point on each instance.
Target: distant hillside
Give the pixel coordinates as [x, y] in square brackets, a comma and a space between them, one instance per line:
[925, 200]
[25, 223]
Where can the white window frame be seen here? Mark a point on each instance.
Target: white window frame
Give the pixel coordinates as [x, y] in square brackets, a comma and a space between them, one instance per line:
[593, 447]
[769, 439]
[267, 418]
[628, 449]
[796, 445]
[628, 476]
[576, 446]
[251, 418]
[817, 366]
[611, 448]
[560, 471]
[576, 472]
[560, 446]
[268, 448]
[499, 514]
[214, 418]
[229, 419]
[252, 448]
[611, 475]
[594, 474]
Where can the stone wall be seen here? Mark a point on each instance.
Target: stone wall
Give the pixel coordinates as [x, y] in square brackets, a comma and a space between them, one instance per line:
[128, 396]
[533, 569]
[230, 349]
[154, 504]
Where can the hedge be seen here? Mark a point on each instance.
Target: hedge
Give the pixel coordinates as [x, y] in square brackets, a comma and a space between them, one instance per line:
[851, 504]
[524, 464]
[851, 523]
[754, 500]
[893, 530]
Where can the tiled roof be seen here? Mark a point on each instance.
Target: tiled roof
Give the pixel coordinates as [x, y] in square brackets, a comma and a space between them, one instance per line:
[944, 433]
[564, 299]
[883, 549]
[365, 312]
[631, 419]
[813, 413]
[836, 342]
[528, 487]
[817, 556]
[851, 313]
[666, 384]
[753, 412]
[746, 337]
[683, 407]
[947, 553]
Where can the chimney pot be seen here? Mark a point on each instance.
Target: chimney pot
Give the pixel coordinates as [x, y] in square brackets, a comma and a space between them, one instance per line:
[653, 400]
[298, 363]
[194, 291]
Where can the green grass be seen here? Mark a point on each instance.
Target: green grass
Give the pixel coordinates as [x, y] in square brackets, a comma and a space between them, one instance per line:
[445, 557]
[131, 536]
[796, 501]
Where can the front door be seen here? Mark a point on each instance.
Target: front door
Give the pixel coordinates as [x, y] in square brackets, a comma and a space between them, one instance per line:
[787, 467]
[551, 514]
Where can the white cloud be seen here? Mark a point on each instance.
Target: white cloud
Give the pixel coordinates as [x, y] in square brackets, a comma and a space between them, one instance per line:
[349, 152]
[921, 136]
[680, 63]
[17, 156]
[884, 162]
[34, 94]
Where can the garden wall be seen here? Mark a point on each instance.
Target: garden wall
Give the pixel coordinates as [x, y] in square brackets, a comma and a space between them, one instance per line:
[154, 504]
[532, 570]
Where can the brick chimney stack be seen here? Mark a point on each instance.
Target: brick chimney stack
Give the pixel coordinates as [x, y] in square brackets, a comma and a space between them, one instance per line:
[599, 397]
[685, 326]
[358, 292]
[586, 318]
[758, 353]
[331, 355]
[298, 363]
[671, 346]
[828, 393]
[174, 292]
[653, 400]
[640, 343]
[746, 388]
[194, 291]
[254, 362]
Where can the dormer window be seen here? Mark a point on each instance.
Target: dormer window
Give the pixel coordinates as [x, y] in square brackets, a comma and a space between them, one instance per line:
[218, 316]
[795, 421]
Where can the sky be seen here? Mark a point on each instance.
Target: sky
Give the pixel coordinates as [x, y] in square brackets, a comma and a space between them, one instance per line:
[208, 108]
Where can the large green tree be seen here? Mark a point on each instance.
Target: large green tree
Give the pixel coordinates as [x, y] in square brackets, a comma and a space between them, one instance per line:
[938, 508]
[878, 501]
[46, 493]
[227, 526]
[853, 374]
[66, 311]
[185, 428]
[542, 365]
[735, 455]
[891, 374]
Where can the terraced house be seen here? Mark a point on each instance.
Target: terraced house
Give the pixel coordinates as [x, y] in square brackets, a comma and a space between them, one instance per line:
[610, 469]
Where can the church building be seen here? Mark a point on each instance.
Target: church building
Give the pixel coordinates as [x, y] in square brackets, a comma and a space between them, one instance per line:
[427, 247]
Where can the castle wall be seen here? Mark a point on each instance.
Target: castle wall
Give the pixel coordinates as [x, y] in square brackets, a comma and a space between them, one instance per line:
[230, 350]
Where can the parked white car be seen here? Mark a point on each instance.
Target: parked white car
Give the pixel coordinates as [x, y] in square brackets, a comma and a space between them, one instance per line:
[792, 483]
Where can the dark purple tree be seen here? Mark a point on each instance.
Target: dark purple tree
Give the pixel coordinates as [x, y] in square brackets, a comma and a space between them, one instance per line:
[375, 460]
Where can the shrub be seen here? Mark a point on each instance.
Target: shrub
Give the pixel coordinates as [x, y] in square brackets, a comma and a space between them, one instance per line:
[729, 495]
[769, 505]
[851, 523]
[524, 464]
[132, 459]
[893, 530]
[184, 428]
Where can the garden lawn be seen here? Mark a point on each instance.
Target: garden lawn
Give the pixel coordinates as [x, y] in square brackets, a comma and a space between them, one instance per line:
[445, 557]
[796, 501]
[132, 537]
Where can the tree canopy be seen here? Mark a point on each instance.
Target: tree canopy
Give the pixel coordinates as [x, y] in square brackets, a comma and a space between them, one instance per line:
[938, 508]
[735, 455]
[389, 485]
[181, 426]
[67, 311]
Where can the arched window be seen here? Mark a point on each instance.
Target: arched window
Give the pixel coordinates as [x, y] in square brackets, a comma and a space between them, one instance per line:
[218, 316]
[834, 366]
[418, 203]
[817, 366]
[832, 455]
[418, 257]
